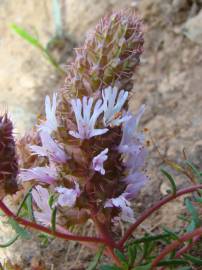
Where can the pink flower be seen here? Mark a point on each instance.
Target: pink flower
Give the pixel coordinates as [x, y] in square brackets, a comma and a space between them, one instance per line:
[67, 196]
[134, 183]
[124, 205]
[113, 105]
[50, 149]
[85, 119]
[43, 174]
[130, 134]
[50, 124]
[41, 197]
[98, 161]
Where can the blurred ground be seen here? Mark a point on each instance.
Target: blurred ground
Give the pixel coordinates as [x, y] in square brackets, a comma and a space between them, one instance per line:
[168, 81]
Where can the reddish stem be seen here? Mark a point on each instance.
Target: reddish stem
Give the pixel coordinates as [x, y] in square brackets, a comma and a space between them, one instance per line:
[196, 233]
[105, 234]
[185, 249]
[151, 210]
[41, 228]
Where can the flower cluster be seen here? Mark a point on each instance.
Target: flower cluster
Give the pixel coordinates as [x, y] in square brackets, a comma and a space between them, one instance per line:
[87, 152]
[8, 158]
[92, 165]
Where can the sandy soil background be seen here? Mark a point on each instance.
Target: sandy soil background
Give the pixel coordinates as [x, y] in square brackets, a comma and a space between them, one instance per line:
[168, 81]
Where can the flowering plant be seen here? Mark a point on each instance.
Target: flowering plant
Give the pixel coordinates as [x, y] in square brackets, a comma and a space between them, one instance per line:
[85, 158]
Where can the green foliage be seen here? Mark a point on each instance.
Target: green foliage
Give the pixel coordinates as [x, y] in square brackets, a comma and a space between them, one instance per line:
[18, 229]
[53, 218]
[140, 252]
[173, 262]
[24, 210]
[122, 259]
[45, 239]
[194, 260]
[96, 259]
[195, 220]
[109, 267]
[26, 36]
[171, 180]
[35, 42]
[10, 242]
[195, 171]
[143, 267]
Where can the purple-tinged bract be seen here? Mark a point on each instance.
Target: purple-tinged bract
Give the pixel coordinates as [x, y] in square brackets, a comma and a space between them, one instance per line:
[8, 158]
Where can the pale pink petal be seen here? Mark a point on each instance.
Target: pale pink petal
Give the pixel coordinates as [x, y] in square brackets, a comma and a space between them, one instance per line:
[50, 124]
[67, 196]
[124, 205]
[113, 104]
[50, 148]
[42, 174]
[98, 161]
[86, 118]
[41, 197]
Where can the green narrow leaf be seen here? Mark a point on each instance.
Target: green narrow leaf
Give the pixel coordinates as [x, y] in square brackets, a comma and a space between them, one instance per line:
[96, 259]
[143, 267]
[172, 234]
[191, 226]
[109, 267]
[171, 180]
[18, 229]
[196, 172]
[44, 238]
[150, 238]
[195, 260]
[181, 217]
[192, 210]
[198, 199]
[37, 44]
[29, 207]
[120, 255]
[53, 218]
[173, 262]
[23, 203]
[10, 242]
[26, 36]
[132, 253]
[51, 200]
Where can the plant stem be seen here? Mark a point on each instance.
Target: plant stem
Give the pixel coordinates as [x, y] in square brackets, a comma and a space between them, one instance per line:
[157, 206]
[41, 228]
[196, 233]
[105, 234]
[54, 63]
[185, 249]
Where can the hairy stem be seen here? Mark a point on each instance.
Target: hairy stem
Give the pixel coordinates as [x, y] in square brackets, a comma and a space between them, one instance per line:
[196, 233]
[157, 206]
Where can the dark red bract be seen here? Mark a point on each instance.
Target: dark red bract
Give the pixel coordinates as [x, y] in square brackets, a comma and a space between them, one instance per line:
[8, 158]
